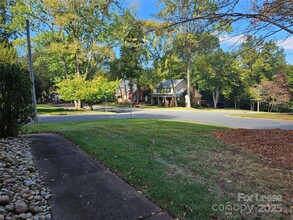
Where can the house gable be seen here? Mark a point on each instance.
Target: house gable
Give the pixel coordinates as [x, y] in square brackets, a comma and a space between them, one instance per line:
[165, 88]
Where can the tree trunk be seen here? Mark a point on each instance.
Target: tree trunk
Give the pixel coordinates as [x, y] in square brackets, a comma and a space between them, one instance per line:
[216, 94]
[122, 95]
[125, 91]
[65, 67]
[90, 104]
[188, 75]
[174, 94]
[131, 88]
[78, 104]
[137, 90]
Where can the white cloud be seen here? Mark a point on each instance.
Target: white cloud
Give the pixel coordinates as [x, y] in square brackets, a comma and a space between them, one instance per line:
[286, 44]
[237, 39]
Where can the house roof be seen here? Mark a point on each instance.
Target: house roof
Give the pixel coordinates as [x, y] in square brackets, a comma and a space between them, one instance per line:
[168, 83]
[178, 94]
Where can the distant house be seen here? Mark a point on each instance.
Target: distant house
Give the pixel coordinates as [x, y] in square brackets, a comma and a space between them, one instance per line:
[123, 90]
[163, 93]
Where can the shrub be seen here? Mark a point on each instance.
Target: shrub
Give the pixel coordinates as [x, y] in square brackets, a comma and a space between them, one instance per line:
[15, 99]
[284, 108]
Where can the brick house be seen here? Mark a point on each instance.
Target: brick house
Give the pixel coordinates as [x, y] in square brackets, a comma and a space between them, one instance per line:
[122, 92]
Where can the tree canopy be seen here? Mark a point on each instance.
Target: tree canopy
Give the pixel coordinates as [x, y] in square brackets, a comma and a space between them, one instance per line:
[77, 45]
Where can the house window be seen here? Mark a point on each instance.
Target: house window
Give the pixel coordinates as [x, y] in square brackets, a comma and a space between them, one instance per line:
[168, 90]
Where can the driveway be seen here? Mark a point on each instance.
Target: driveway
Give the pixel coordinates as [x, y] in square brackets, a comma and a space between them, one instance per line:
[200, 116]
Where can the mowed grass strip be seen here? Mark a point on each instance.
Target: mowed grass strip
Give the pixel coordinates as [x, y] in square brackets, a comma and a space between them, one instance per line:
[181, 166]
[276, 116]
[53, 110]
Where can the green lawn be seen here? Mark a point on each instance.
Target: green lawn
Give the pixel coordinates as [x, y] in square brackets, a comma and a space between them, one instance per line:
[53, 110]
[265, 115]
[177, 164]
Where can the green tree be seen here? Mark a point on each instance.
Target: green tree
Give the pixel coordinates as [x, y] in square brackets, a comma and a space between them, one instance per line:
[78, 37]
[217, 73]
[7, 34]
[289, 75]
[90, 91]
[259, 62]
[132, 56]
[162, 50]
[7, 53]
[188, 33]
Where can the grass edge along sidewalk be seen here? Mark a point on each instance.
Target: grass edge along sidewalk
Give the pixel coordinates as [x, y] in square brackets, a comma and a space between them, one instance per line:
[181, 166]
[54, 110]
[265, 115]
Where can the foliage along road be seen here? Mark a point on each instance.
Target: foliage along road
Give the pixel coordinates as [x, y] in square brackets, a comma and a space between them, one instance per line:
[201, 116]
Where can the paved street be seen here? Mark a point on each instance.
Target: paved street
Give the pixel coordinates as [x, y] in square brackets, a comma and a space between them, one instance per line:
[201, 116]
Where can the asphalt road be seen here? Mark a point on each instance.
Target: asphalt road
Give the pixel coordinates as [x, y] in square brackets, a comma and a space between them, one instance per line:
[207, 117]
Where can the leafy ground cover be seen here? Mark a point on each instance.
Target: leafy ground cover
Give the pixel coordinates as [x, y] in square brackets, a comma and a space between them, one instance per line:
[55, 110]
[184, 167]
[277, 116]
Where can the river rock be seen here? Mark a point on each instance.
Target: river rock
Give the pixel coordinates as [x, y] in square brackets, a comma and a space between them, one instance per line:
[35, 209]
[4, 200]
[20, 182]
[20, 207]
[10, 208]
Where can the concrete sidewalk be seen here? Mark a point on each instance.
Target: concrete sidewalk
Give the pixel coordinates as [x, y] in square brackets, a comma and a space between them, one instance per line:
[82, 189]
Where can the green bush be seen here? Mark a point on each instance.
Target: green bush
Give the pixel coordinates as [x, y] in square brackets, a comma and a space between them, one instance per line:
[287, 107]
[15, 99]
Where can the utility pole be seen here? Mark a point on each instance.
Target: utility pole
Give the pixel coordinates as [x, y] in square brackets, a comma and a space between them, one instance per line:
[31, 70]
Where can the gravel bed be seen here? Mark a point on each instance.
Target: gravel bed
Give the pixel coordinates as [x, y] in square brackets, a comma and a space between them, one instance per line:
[22, 193]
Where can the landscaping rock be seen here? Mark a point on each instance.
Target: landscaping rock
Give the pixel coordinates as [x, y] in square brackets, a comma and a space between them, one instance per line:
[4, 200]
[20, 207]
[10, 208]
[35, 209]
[22, 216]
[21, 193]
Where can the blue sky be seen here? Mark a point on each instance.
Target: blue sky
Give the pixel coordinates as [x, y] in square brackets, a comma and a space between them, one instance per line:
[147, 8]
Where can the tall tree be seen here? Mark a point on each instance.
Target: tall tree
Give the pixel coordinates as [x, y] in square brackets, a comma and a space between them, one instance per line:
[162, 49]
[289, 75]
[79, 34]
[187, 32]
[217, 73]
[259, 61]
[132, 52]
[7, 34]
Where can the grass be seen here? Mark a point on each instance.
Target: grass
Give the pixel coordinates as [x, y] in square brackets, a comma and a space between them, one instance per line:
[155, 107]
[265, 115]
[52, 110]
[178, 164]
